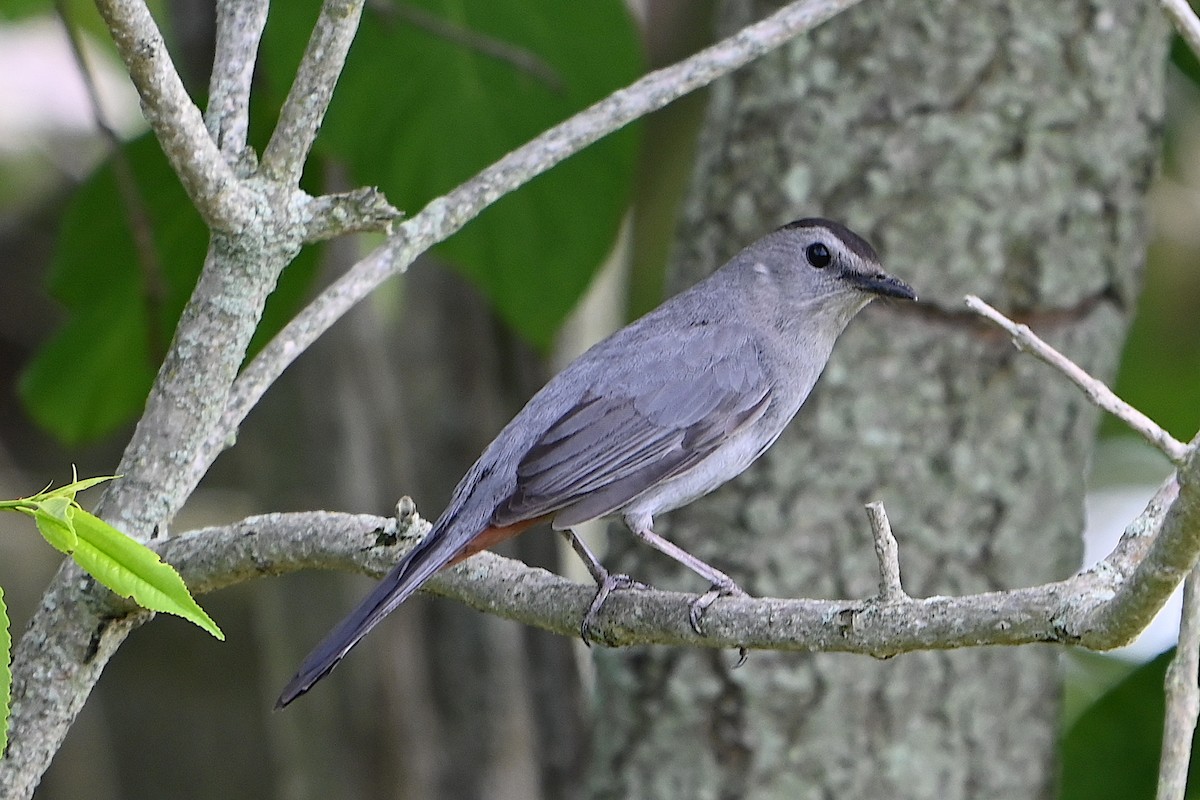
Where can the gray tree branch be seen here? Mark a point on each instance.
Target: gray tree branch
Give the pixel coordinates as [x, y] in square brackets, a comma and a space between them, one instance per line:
[887, 553]
[1183, 697]
[174, 118]
[306, 103]
[1072, 611]
[1182, 693]
[240, 26]
[1172, 551]
[1170, 556]
[356, 211]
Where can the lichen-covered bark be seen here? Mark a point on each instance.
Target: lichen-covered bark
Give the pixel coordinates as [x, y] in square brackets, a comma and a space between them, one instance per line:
[1001, 148]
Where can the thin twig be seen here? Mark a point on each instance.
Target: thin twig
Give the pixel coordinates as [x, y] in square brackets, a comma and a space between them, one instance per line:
[891, 590]
[1096, 390]
[447, 214]
[240, 26]
[1183, 697]
[308, 100]
[1185, 21]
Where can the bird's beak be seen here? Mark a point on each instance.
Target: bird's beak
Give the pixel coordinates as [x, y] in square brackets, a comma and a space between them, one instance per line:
[882, 284]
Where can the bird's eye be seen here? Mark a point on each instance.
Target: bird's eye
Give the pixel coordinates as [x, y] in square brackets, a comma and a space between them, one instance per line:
[818, 255]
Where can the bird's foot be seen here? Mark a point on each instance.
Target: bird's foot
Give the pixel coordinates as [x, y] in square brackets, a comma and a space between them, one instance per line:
[698, 606]
[726, 588]
[606, 584]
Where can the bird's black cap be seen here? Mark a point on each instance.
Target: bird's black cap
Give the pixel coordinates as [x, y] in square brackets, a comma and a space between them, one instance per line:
[855, 243]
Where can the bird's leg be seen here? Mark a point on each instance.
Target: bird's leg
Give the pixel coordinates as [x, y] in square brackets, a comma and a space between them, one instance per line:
[722, 584]
[606, 584]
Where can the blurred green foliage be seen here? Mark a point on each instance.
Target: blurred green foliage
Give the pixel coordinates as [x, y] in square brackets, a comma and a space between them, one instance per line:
[1160, 365]
[1111, 752]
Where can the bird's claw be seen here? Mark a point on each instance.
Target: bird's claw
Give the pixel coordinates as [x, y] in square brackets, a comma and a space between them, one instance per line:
[698, 606]
[743, 654]
[607, 584]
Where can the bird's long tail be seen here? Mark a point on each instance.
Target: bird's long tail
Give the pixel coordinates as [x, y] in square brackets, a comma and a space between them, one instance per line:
[414, 569]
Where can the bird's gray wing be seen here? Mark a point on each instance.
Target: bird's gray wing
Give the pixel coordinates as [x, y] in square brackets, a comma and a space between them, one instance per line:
[653, 418]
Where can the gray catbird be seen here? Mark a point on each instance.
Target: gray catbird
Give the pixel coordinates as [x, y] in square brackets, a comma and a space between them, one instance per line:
[662, 412]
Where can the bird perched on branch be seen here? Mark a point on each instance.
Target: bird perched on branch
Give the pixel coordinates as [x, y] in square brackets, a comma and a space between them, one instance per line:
[658, 414]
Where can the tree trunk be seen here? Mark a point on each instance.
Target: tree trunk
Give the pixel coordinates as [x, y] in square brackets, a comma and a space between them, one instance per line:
[998, 148]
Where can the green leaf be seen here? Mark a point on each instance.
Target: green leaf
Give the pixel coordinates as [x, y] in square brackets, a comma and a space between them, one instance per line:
[71, 489]
[5, 674]
[53, 518]
[133, 570]
[1112, 750]
[95, 372]
[418, 112]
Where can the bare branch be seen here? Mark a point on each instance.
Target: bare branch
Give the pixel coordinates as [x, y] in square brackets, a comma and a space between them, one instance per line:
[307, 101]
[1097, 391]
[355, 211]
[447, 214]
[1065, 611]
[1159, 567]
[887, 552]
[1183, 697]
[174, 118]
[1185, 21]
[240, 26]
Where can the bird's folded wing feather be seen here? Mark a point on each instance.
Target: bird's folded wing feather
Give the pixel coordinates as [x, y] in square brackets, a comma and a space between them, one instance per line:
[650, 421]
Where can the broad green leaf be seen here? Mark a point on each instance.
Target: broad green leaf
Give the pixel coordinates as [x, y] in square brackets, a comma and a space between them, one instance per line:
[1112, 750]
[53, 518]
[5, 674]
[132, 570]
[418, 112]
[94, 374]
